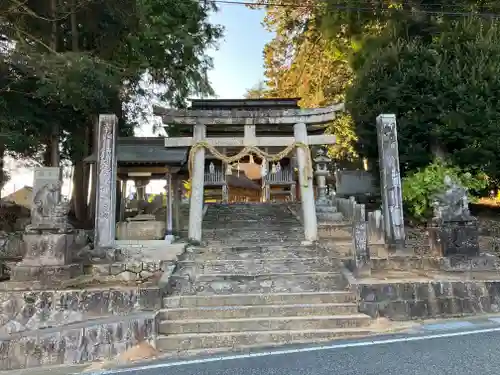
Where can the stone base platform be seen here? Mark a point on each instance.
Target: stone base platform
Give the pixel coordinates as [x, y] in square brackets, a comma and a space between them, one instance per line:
[140, 230]
[483, 262]
[46, 275]
[140, 260]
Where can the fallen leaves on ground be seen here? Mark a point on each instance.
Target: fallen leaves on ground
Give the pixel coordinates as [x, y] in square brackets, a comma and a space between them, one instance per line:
[139, 352]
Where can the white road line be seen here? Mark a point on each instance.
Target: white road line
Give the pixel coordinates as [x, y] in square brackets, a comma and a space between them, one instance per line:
[293, 351]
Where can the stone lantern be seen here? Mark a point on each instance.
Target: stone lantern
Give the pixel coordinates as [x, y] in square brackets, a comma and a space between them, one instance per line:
[321, 162]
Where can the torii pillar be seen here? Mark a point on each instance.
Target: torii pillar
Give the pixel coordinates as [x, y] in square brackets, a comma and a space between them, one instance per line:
[197, 187]
[306, 185]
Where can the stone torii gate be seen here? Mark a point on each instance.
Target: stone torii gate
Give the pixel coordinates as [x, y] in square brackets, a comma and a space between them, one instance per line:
[251, 120]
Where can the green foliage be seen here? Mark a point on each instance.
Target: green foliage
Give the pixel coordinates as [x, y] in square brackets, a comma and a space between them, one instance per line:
[437, 74]
[343, 128]
[421, 186]
[67, 64]
[443, 92]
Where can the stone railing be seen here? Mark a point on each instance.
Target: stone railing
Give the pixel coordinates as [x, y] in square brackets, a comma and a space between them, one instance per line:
[367, 229]
[376, 231]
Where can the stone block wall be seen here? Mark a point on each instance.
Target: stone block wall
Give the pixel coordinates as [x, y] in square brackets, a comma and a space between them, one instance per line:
[98, 339]
[436, 299]
[23, 310]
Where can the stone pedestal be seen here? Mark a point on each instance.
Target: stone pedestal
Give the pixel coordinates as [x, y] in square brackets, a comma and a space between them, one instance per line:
[140, 230]
[48, 258]
[454, 238]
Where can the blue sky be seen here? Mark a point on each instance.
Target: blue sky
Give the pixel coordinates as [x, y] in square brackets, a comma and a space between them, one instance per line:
[238, 64]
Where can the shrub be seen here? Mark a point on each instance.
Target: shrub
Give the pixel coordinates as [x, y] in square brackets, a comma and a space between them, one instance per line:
[421, 186]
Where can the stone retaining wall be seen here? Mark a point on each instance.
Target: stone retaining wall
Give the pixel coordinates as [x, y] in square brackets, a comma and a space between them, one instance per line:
[99, 339]
[436, 299]
[485, 262]
[23, 310]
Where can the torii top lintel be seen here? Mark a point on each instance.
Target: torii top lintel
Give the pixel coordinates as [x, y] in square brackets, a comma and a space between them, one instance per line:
[316, 116]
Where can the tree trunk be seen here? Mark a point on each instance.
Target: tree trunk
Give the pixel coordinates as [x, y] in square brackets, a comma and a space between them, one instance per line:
[80, 177]
[54, 138]
[93, 195]
[2, 166]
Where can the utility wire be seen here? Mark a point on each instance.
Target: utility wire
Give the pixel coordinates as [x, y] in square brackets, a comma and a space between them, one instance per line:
[365, 9]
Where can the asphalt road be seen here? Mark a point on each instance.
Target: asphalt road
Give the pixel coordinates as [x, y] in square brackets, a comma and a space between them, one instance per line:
[423, 353]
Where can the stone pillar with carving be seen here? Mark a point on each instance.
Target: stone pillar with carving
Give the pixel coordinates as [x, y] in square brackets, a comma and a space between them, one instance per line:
[306, 185]
[362, 266]
[105, 217]
[197, 187]
[390, 180]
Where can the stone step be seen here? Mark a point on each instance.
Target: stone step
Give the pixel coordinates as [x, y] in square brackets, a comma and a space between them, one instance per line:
[259, 253]
[258, 220]
[258, 223]
[321, 208]
[336, 247]
[263, 240]
[281, 245]
[272, 265]
[338, 232]
[254, 239]
[330, 216]
[169, 327]
[231, 312]
[275, 224]
[249, 213]
[259, 299]
[251, 232]
[262, 338]
[268, 283]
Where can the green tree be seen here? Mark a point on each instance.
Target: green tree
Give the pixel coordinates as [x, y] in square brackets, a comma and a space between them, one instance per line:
[319, 46]
[70, 60]
[443, 92]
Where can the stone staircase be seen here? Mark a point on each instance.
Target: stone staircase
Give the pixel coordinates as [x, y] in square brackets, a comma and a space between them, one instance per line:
[256, 284]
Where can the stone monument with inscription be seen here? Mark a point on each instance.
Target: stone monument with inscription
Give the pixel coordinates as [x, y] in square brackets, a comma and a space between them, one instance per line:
[50, 241]
[390, 181]
[453, 231]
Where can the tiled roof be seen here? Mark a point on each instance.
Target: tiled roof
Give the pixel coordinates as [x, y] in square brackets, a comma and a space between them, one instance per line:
[146, 150]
